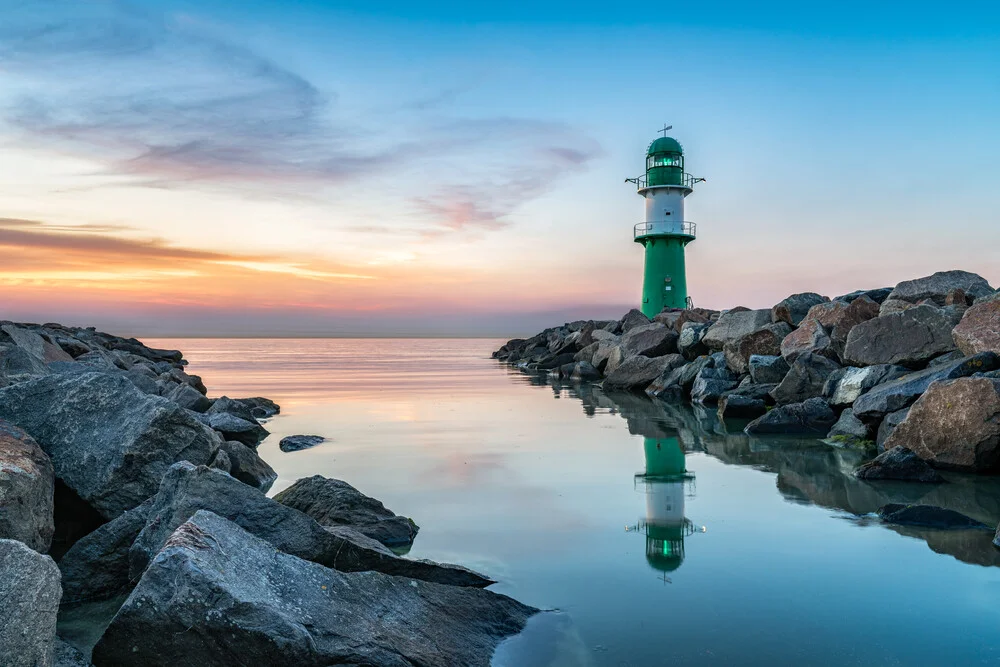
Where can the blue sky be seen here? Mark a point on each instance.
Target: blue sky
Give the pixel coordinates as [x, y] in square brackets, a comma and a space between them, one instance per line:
[468, 159]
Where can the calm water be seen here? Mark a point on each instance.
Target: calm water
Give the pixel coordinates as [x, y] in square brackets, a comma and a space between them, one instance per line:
[661, 538]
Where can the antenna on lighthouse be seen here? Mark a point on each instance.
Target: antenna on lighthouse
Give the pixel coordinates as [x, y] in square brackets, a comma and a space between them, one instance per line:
[666, 128]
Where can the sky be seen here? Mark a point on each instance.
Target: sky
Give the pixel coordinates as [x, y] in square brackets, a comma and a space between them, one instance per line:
[310, 168]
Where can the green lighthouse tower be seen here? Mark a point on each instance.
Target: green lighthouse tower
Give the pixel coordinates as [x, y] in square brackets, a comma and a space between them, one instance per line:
[665, 233]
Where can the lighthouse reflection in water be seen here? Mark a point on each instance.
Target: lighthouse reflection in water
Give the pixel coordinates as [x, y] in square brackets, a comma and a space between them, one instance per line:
[666, 483]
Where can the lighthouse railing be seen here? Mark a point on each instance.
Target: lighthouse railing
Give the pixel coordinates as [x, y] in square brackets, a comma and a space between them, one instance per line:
[672, 227]
[687, 181]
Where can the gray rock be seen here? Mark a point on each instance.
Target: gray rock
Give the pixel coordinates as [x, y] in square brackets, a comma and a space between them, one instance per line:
[888, 425]
[690, 344]
[810, 338]
[187, 489]
[332, 502]
[221, 462]
[633, 318]
[584, 371]
[767, 369]
[813, 416]
[682, 377]
[860, 310]
[765, 341]
[263, 408]
[16, 365]
[650, 340]
[898, 394]
[954, 355]
[894, 306]
[937, 286]
[636, 373]
[107, 440]
[848, 429]
[846, 386]
[232, 427]
[711, 384]
[898, 463]
[189, 398]
[233, 406]
[928, 516]
[805, 379]
[877, 295]
[911, 338]
[979, 330]
[29, 589]
[246, 466]
[66, 655]
[738, 406]
[735, 324]
[793, 309]
[606, 349]
[271, 608]
[295, 443]
[587, 353]
[26, 488]
[142, 380]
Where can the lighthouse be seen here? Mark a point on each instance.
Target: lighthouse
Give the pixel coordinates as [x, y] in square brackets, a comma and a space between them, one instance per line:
[664, 234]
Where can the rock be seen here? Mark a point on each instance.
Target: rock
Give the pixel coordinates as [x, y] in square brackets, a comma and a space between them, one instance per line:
[737, 406]
[295, 443]
[735, 324]
[860, 310]
[979, 329]
[633, 318]
[848, 429]
[96, 567]
[16, 365]
[232, 427]
[587, 353]
[910, 338]
[584, 371]
[651, 340]
[937, 286]
[793, 309]
[271, 608]
[609, 352]
[29, 589]
[189, 398]
[811, 416]
[954, 355]
[847, 385]
[690, 344]
[955, 424]
[767, 369]
[109, 442]
[683, 376]
[221, 462]
[888, 425]
[34, 345]
[810, 338]
[246, 466]
[332, 502]
[898, 394]
[898, 463]
[876, 295]
[711, 383]
[556, 360]
[828, 314]
[26, 488]
[66, 655]
[805, 379]
[928, 516]
[262, 408]
[636, 373]
[187, 489]
[766, 341]
[894, 306]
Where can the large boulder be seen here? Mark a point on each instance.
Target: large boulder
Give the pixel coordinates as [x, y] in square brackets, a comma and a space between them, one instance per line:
[636, 373]
[910, 338]
[898, 463]
[740, 406]
[187, 489]
[888, 425]
[711, 383]
[805, 379]
[633, 318]
[860, 310]
[813, 416]
[296, 443]
[108, 441]
[29, 600]
[849, 430]
[676, 382]
[793, 309]
[810, 338]
[936, 287]
[231, 427]
[847, 385]
[608, 356]
[650, 340]
[828, 313]
[332, 502]
[270, 608]
[246, 466]
[877, 295]
[955, 424]
[735, 324]
[767, 369]
[979, 330]
[691, 341]
[26, 489]
[898, 394]
[765, 341]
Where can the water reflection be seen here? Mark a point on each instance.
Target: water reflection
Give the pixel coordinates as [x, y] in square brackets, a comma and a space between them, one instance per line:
[807, 471]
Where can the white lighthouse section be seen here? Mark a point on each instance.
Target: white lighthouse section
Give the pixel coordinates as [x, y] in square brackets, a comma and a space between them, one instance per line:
[665, 503]
[665, 209]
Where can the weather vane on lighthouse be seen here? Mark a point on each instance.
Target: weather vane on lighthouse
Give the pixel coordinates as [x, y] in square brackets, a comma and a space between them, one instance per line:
[665, 233]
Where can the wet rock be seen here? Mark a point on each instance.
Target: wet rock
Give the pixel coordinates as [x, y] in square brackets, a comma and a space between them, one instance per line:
[584, 372]
[735, 324]
[876, 295]
[26, 489]
[738, 406]
[246, 466]
[636, 373]
[268, 607]
[937, 286]
[30, 592]
[860, 310]
[928, 516]
[955, 424]
[187, 489]
[651, 340]
[888, 425]
[849, 430]
[765, 341]
[844, 387]
[711, 383]
[805, 379]
[261, 408]
[108, 441]
[793, 309]
[690, 343]
[556, 360]
[813, 416]
[767, 369]
[911, 338]
[295, 443]
[232, 427]
[633, 318]
[979, 329]
[332, 502]
[810, 338]
[898, 463]
[898, 394]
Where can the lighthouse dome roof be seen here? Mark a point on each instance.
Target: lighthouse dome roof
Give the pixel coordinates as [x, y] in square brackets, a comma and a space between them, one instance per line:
[665, 145]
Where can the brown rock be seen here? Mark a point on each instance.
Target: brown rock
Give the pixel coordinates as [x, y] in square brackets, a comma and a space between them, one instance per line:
[766, 341]
[811, 336]
[861, 310]
[979, 330]
[26, 488]
[828, 314]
